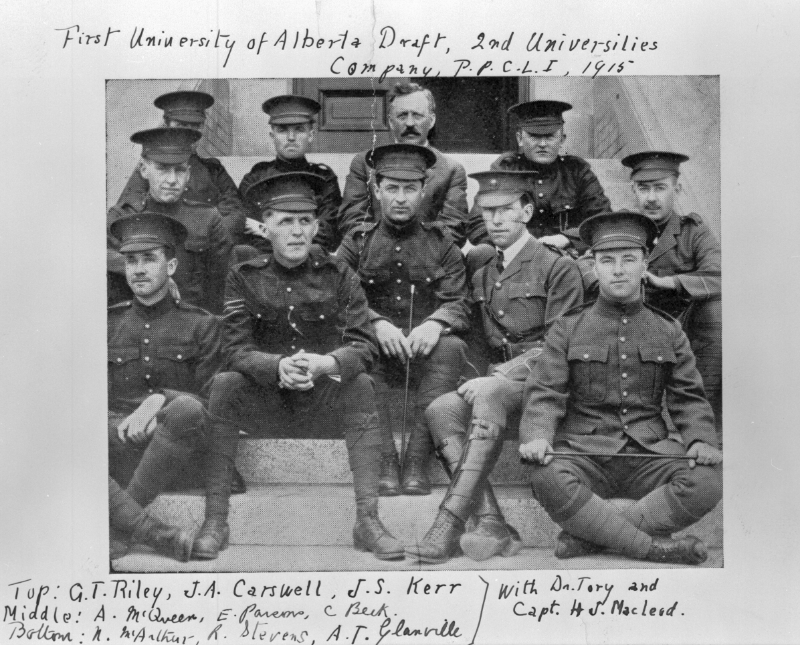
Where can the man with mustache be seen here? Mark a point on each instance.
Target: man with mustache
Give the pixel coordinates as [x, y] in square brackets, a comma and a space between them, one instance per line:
[400, 252]
[291, 123]
[597, 390]
[203, 256]
[209, 182]
[564, 189]
[684, 271]
[299, 345]
[521, 291]
[412, 115]
[161, 353]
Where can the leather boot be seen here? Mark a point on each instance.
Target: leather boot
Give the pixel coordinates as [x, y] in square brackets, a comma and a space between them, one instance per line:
[212, 538]
[369, 534]
[440, 542]
[492, 535]
[118, 544]
[389, 485]
[686, 550]
[167, 540]
[415, 476]
[569, 546]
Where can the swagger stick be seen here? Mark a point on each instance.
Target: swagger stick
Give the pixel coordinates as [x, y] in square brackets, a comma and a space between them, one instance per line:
[405, 392]
[623, 455]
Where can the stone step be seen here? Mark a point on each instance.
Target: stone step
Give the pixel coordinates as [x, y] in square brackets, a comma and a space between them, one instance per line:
[323, 515]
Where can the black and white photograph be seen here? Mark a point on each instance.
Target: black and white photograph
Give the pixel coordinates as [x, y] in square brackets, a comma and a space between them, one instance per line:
[357, 325]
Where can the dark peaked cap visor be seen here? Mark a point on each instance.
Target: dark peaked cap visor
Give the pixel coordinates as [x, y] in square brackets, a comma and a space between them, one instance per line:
[290, 191]
[619, 230]
[186, 106]
[403, 161]
[147, 231]
[289, 109]
[654, 164]
[501, 187]
[167, 145]
[539, 117]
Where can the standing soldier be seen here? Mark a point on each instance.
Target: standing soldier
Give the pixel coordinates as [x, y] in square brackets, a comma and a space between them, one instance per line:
[299, 345]
[161, 352]
[564, 189]
[209, 183]
[404, 251]
[521, 292]
[598, 389]
[412, 115]
[203, 256]
[684, 271]
[291, 124]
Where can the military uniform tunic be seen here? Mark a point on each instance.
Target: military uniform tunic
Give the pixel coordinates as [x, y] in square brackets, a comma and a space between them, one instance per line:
[209, 184]
[445, 197]
[564, 193]
[330, 198]
[202, 258]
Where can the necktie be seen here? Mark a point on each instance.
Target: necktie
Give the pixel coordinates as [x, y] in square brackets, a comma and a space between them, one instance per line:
[499, 264]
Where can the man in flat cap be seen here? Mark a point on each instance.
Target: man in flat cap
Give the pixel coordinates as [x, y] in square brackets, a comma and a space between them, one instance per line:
[415, 281]
[597, 389]
[209, 183]
[412, 115]
[291, 123]
[299, 345]
[161, 353]
[684, 271]
[520, 292]
[564, 189]
[203, 256]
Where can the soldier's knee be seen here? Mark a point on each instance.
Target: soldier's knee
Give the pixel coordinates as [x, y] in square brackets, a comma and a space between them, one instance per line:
[450, 348]
[478, 257]
[445, 416]
[558, 488]
[225, 384]
[706, 487]
[183, 416]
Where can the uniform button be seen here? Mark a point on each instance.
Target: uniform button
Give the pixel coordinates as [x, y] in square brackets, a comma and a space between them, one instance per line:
[497, 285]
[146, 341]
[624, 375]
[624, 410]
[180, 356]
[322, 316]
[288, 289]
[316, 264]
[147, 376]
[397, 248]
[119, 360]
[147, 358]
[622, 339]
[427, 279]
[399, 264]
[528, 295]
[399, 281]
[399, 298]
[586, 355]
[147, 325]
[501, 313]
[624, 357]
[371, 281]
[292, 346]
[541, 194]
[293, 324]
[150, 391]
[660, 358]
[624, 427]
[540, 182]
[541, 210]
[625, 393]
[258, 316]
[624, 321]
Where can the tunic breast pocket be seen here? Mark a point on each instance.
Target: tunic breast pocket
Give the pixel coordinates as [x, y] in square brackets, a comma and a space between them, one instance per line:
[375, 283]
[657, 363]
[588, 371]
[123, 364]
[526, 306]
[426, 275]
[174, 366]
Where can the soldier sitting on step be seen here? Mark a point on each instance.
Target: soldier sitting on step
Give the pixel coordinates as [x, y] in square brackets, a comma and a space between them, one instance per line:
[597, 389]
[520, 292]
[299, 344]
[400, 253]
[161, 352]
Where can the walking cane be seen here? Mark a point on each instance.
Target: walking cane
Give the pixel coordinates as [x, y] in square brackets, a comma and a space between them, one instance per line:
[405, 391]
[621, 455]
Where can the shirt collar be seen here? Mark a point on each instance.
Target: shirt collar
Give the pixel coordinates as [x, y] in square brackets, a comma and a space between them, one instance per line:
[611, 308]
[156, 310]
[512, 251]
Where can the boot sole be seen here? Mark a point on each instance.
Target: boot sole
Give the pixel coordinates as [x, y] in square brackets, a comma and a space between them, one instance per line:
[393, 555]
[417, 491]
[427, 560]
[209, 555]
[480, 548]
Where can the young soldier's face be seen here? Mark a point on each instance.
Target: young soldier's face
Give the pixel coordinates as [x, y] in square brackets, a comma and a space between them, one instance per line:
[656, 198]
[166, 182]
[291, 234]
[147, 273]
[620, 273]
[411, 119]
[505, 224]
[293, 140]
[541, 148]
[400, 199]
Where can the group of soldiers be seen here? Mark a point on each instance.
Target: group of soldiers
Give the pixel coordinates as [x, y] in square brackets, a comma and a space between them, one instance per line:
[283, 304]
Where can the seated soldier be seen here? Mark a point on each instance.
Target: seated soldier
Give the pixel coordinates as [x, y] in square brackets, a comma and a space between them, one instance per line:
[415, 281]
[203, 256]
[209, 182]
[597, 390]
[161, 352]
[130, 523]
[520, 292]
[298, 344]
[291, 128]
